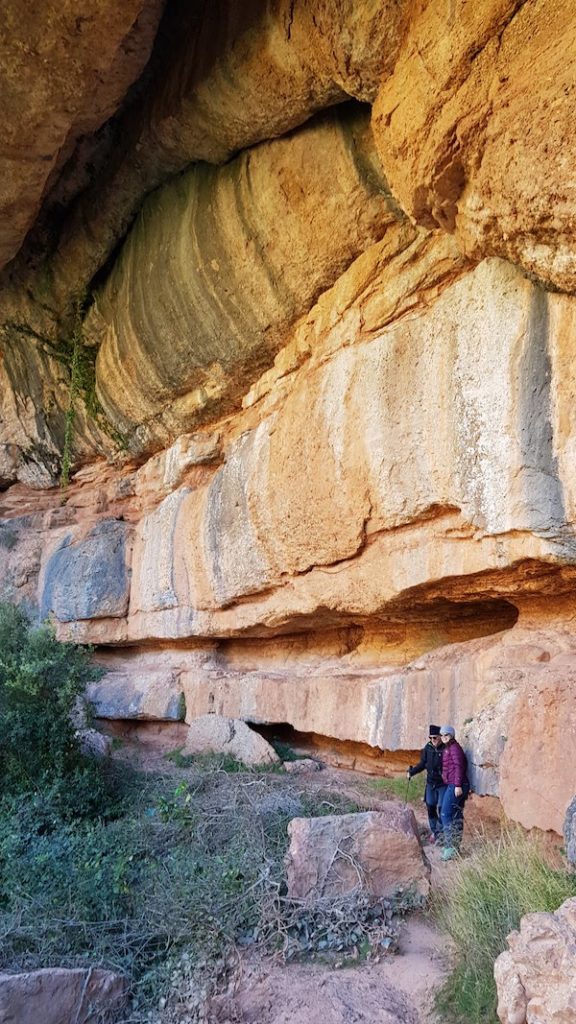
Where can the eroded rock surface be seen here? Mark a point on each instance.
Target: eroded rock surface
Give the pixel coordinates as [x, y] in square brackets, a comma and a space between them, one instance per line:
[227, 78]
[232, 257]
[378, 851]
[536, 977]
[99, 560]
[63, 73]
[474, 133]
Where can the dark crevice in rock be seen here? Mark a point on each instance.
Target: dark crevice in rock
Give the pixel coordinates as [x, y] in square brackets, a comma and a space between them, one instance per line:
[468, 606]
[336, 753]
[418, 628]
[150, 734]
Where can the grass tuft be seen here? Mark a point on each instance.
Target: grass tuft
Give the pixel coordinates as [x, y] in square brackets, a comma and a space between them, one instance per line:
[399, 787]
[486, 898]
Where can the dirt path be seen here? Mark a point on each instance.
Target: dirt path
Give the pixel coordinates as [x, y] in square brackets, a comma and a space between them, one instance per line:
[399, 990]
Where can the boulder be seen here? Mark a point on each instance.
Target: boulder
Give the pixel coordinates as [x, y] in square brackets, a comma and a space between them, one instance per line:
[302, 766]
[59, 996]
[536, 976]
[379, 851]
[217, 735]
[94, 743]
[570, 832]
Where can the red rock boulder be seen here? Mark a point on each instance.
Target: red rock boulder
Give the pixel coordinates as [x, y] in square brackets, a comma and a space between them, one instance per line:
[59, 996]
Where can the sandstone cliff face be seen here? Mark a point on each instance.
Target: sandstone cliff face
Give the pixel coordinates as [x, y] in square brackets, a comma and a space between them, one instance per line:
[339, 354]
[472, 127]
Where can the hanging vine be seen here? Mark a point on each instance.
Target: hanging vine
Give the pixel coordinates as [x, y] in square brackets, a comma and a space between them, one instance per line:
[75, 389]
[80, 360]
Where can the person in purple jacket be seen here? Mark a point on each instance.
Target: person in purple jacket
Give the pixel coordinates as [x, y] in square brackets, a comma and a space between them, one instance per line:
[455, 779]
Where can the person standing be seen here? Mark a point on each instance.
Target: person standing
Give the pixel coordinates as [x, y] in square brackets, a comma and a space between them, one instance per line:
[431, 762]
[456, 790]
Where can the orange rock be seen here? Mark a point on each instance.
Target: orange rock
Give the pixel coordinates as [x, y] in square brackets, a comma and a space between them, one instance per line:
[63, 74]
[537, 778]
[474, 130]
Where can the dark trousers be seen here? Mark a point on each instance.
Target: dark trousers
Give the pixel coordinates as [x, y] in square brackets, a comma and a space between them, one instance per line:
[433, 798]
[452, 815]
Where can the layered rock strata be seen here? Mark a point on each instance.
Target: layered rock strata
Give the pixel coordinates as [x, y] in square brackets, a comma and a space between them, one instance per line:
[485, 510]
[231, 533]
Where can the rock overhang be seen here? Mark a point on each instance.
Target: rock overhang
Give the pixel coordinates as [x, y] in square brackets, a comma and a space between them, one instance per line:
[367, 320]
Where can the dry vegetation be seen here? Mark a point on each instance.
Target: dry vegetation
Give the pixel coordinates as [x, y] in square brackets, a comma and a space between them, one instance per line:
[173, 875]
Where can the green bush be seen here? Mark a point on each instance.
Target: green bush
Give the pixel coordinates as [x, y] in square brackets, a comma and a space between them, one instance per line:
[42, 683]
[286, 752]
[185, 872]
[486, 898]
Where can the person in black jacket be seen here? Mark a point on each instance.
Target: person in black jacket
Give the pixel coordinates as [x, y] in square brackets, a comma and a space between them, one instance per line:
[431, 762]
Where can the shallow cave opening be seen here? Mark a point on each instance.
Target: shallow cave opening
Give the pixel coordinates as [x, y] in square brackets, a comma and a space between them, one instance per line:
[405, 628]
[357, 756]
[154, 734]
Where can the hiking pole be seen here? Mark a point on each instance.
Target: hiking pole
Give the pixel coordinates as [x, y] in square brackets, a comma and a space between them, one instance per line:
[408, 781]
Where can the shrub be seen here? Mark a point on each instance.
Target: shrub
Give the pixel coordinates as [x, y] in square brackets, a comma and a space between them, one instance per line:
[487, 897]
[42, 682]
[286, 752]
[180, 878]
[209, 761]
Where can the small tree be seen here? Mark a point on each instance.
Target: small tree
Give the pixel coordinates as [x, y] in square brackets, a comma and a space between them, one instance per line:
[41, 682]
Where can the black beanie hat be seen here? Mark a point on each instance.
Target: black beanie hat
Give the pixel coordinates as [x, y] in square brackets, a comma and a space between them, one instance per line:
[434, 730]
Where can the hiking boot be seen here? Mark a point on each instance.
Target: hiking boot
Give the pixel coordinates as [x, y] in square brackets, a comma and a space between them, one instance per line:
[449, 852]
